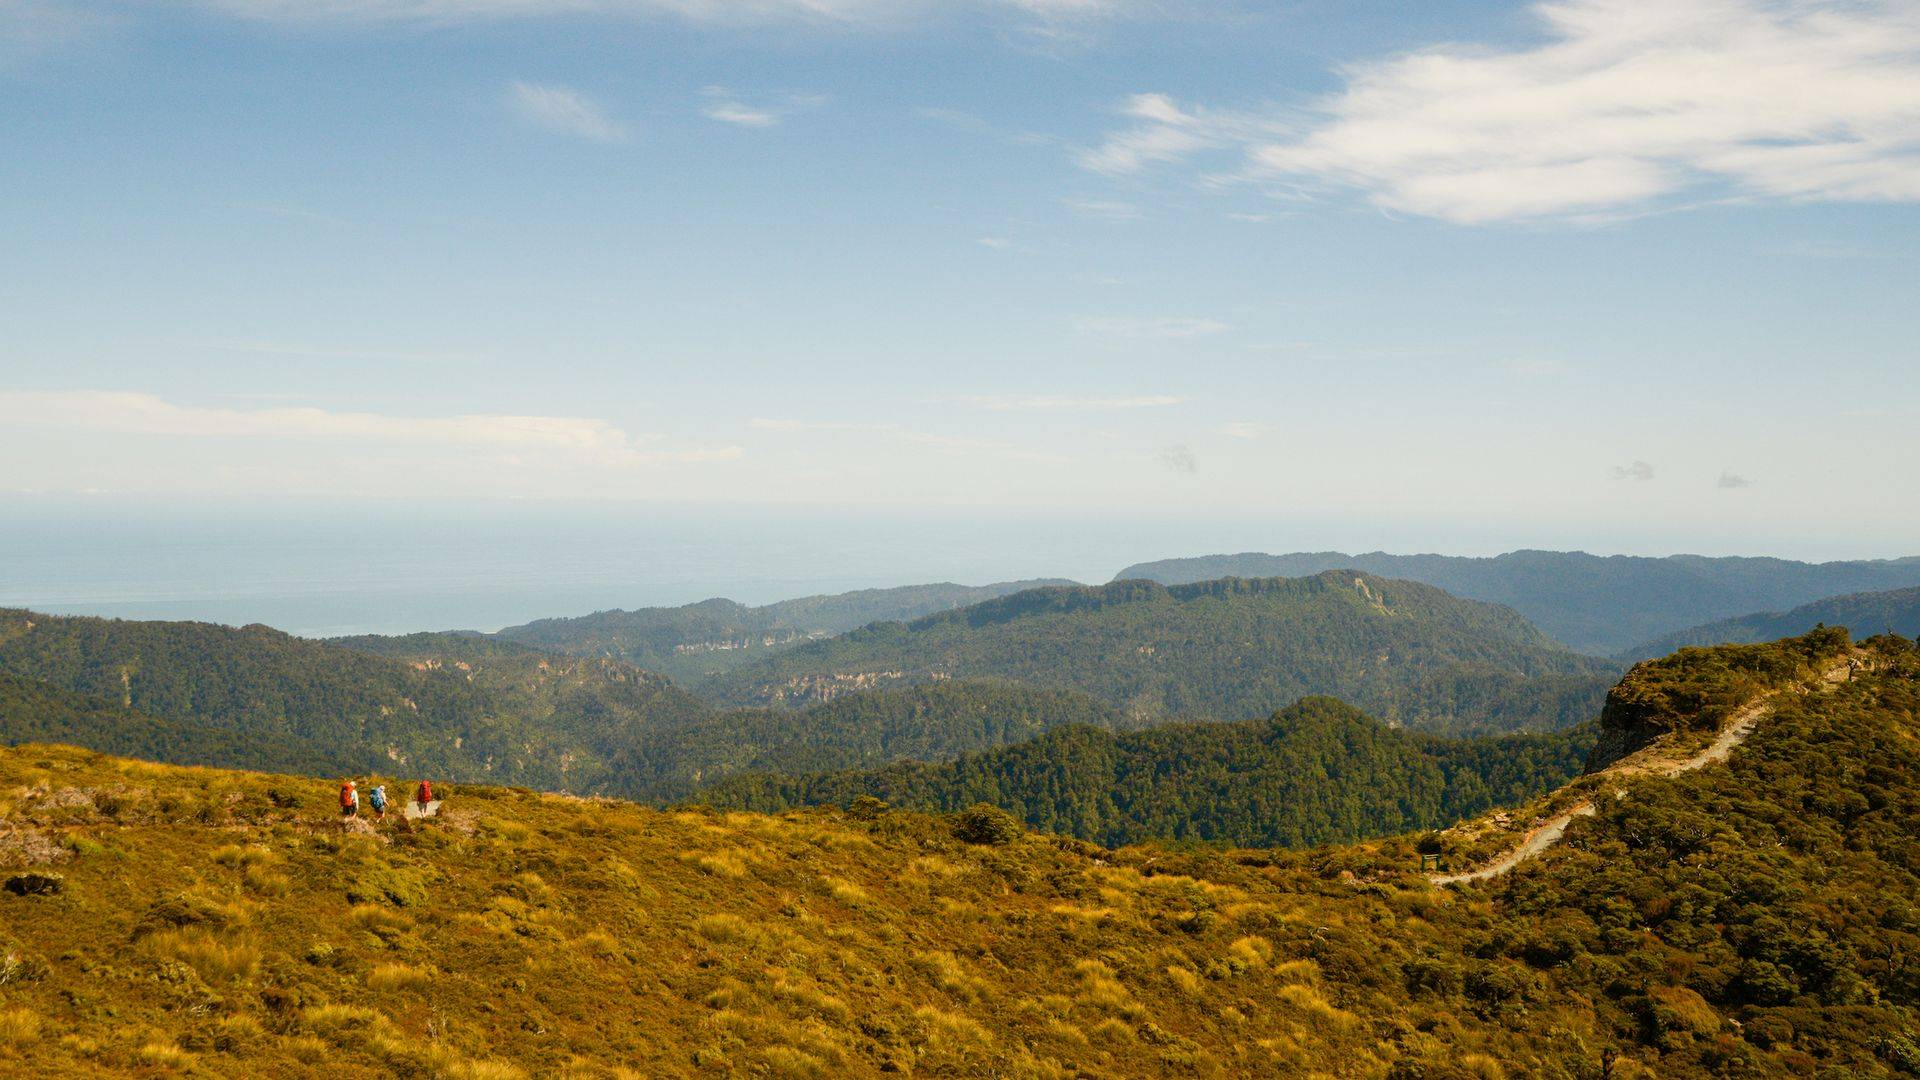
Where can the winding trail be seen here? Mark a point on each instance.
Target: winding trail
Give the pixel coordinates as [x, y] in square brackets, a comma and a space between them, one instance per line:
[1733, 731]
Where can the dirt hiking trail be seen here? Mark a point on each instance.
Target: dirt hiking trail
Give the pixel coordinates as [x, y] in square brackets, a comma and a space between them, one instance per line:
[1646, 762]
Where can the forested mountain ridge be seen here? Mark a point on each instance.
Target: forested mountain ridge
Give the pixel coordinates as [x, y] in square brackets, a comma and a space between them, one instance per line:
[699, 640]
[1596, 604]
[488, 709]
[932, 722]
[37, 712]
[1317, 772]
[1218, 650]
[1753, 918]
[1893, 612]
[464, 707]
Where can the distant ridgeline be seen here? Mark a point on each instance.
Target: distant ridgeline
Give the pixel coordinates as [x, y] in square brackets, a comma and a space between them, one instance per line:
[1220, 650]
[1894, 612]
[1319, 771]
[699, 640]
[1600, 605]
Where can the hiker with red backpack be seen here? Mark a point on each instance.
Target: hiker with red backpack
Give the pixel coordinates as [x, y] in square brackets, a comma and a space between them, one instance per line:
[425, 795]
[349, 799]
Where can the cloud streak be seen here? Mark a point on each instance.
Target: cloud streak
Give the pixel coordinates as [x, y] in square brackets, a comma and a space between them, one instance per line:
[575, 439]
[1623, 107]
[563, 109]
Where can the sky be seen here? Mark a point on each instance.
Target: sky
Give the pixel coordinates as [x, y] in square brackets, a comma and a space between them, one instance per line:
[1642, 271]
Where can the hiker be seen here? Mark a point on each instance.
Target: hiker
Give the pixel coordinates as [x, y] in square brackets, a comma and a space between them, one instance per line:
[349, 799]
[424, 796]
[378, 797]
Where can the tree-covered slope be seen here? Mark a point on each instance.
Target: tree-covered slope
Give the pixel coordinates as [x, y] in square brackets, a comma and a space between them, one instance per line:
[699, 640]
[1896, 611]
[465, 707]
[1218, 650]
[1596, 604]
[931, 722]
[1317, 772]
[1754, 918]
[501, 712]
[35, 712]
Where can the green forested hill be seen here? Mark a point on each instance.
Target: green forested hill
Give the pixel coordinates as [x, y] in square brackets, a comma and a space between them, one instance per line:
[1218, 650]
[933, 722]
[703, 639]
[1754, 918]
[1896, 611]
[35, 712]
[503, 712]
[1319, 771]
[1596, 604]
[465, 707]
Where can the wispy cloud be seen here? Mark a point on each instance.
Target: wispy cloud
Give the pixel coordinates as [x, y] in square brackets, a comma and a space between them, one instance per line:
[1624, 106]
[1179, 458]
[1243, 429]
[563, 109]
[1730, 480]
[1137, 327]
[997, 243]
[1003, 403]
[728, 107]
[580, 440]
[1635, 470]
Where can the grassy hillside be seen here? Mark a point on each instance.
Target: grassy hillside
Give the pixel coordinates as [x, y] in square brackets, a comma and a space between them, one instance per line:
[1893, 612]
[1319, 771]
[1750, 919]
[701, 640]
[1218, 650]
[438, 704]
[1596, 604]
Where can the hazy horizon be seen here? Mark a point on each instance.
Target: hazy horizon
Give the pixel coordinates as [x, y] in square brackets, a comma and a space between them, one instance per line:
[329, 567]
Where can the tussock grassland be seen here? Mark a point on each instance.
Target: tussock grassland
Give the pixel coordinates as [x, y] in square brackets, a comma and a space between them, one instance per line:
[1753, 919]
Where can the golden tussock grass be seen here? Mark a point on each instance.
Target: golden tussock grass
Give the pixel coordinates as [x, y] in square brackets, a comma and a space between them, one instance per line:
[946, 971]
[18, 1025]
[390, 977]
[216, 959]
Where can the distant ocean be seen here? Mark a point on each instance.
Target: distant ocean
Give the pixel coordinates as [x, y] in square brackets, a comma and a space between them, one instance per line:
[351, 568]
[321, 568]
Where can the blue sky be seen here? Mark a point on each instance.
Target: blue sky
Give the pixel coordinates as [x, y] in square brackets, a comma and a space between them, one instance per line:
[1569, 264]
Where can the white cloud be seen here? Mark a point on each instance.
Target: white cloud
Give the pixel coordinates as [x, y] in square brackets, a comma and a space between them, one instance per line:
[1730, 480]
[1179, 458]
[1243, 429]
[998, 243]
[1637, 470]
[563, 109]
[1136, 327]
[1075, 404]
[728, 108]
[1625, 106]
[577, 440]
